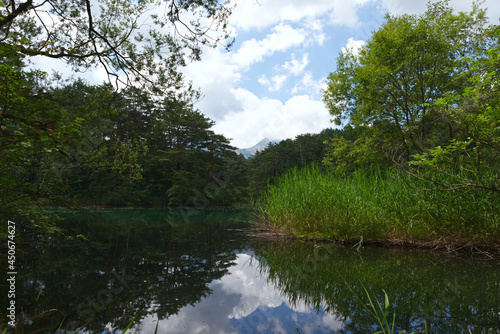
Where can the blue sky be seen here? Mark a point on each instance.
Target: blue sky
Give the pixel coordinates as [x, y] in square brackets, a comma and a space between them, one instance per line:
[270, 84]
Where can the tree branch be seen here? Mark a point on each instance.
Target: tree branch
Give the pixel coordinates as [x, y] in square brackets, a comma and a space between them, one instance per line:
[23, 7]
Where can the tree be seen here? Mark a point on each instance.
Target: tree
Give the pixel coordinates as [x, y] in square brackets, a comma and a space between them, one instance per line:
[279, 158]
[139, 44]
[405, 67]
[471, 159]
[33, 134]
[425, 89]
[135, 42]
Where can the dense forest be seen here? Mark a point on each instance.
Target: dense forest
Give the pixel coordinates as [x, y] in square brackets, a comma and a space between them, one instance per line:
[70, 143]
[134, 140]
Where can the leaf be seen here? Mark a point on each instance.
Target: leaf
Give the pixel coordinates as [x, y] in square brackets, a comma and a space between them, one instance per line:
[386, 302]
[130, 324]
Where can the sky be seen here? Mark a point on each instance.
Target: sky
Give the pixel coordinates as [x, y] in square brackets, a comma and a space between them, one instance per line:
[270, 84]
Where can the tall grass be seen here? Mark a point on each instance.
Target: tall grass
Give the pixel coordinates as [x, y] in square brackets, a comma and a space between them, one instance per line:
[375, 205]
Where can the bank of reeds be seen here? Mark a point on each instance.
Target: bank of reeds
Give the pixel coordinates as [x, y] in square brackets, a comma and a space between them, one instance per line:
[377, 205]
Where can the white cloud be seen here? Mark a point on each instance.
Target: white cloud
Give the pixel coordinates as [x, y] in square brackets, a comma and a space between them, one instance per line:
[296, 67]
[274, 84]
[94, 76]
[316, 27]
[253, 14]
[215, 76]
[220, 71]
[292, 26]
[260, 118]
[309, 85]
[281, 39]
[419, 6]
[354, 45]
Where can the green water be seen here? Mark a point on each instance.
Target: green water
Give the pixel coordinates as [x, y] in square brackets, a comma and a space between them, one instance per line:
[204, 271]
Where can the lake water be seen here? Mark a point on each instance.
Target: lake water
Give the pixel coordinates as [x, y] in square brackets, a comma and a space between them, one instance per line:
[194, 271]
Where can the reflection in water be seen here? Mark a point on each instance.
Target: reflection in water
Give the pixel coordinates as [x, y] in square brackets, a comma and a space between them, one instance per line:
[442, 294]
[244, 302]
[199, 272]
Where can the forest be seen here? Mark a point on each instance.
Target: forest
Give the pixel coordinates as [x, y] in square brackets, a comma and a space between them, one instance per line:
[415, 148]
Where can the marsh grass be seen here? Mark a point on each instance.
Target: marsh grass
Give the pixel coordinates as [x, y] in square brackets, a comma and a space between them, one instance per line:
[381, 313]
[377, 205]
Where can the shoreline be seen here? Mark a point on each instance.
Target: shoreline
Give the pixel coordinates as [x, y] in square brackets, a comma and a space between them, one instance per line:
[458, 247]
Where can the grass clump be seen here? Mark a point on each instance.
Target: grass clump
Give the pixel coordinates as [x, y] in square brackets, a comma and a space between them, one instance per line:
[375, 205]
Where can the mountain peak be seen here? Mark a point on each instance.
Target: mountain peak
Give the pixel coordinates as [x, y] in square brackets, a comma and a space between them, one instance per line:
[261, 145]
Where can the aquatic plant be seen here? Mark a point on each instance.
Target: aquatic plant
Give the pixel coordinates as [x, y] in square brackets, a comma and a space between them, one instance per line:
[375, 205]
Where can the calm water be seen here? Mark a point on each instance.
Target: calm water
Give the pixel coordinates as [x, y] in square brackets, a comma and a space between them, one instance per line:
[204, 272]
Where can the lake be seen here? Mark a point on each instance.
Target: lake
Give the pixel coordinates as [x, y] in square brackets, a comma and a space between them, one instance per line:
[205, 271]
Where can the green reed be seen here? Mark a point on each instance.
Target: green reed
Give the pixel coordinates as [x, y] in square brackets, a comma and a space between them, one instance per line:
[379, 204]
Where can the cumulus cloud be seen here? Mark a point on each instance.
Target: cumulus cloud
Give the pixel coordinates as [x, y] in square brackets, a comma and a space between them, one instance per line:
[270, 12]
[309, 85]
[260, 118]
[274, 83]
[95, 75]
[220, 71]
[296, 26]
[398, 7]
[282, 38]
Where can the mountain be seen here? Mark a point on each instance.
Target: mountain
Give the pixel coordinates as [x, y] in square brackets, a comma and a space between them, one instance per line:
[248, 152]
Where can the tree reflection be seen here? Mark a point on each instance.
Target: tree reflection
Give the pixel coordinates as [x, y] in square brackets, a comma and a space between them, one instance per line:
[446, 294]
[137, 263]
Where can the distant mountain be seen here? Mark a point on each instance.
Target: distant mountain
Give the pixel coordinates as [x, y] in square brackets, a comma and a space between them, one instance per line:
[249, 152]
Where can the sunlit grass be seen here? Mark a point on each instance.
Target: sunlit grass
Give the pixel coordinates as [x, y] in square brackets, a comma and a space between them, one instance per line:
[376, 205]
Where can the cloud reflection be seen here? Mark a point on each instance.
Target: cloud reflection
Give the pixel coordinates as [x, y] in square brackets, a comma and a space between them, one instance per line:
[244, 302]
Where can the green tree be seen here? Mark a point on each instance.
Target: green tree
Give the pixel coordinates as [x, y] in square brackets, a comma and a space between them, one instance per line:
[405, 67]
[46, 136]
[135, 42]
[357, 148]
[33, 135]
[424, 88]
[276, 159]
[471, 159]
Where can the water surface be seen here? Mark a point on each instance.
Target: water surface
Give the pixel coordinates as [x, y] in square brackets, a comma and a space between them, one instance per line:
[193, 271]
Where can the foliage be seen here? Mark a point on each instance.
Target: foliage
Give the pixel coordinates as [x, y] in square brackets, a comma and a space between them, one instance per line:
[62, 142]
[135, 42]
[354, 149]
[472, 157]
[404, 69]
[32, 135]
[423, 95]
[139, 151]
[376, 205]
[96, 146]
[266, 166]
